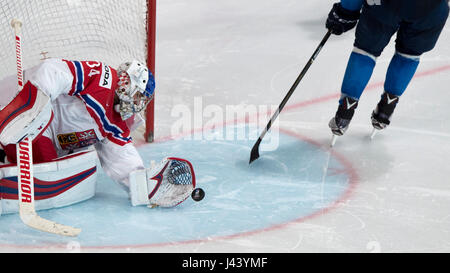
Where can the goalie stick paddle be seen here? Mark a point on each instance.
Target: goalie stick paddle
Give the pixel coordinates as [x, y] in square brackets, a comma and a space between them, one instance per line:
[25, 177]
[255, 150]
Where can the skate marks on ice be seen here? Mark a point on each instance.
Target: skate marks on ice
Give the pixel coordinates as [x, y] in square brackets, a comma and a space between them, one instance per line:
[295, 181]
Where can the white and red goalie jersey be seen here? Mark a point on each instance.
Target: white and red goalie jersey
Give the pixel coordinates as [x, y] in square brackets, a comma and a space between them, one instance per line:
[82, 99]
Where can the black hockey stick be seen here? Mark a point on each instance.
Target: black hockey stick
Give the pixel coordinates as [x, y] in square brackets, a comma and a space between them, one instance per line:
[255, 150]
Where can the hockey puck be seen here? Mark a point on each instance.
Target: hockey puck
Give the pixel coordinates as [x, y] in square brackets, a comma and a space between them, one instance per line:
[198, 194]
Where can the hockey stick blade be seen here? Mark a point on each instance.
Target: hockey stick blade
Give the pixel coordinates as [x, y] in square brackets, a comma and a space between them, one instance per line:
[31, 219]
[255, 151]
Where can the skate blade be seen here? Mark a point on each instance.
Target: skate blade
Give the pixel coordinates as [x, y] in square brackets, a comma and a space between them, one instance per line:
[374, 132]
[333, 140]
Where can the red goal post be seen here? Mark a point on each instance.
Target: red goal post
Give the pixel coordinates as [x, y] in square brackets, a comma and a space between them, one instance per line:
[151, 48]
[110, 31]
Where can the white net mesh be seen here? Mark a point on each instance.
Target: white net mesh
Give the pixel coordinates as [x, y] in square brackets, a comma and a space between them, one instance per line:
[110, 31]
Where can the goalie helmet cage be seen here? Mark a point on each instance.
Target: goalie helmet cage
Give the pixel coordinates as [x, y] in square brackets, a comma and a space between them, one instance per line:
[110, 31]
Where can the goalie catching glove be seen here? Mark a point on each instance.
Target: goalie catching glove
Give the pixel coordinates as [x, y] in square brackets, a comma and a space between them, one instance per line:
[167, 184]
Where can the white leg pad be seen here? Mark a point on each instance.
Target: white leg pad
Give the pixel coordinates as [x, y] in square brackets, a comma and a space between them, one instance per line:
[62, 182]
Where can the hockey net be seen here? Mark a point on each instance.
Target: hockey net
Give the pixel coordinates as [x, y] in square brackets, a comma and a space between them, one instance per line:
[110, 31]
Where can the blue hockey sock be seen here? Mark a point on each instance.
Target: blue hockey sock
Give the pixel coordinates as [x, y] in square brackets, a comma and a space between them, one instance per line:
[357, 75]
[352, 4]
[399, 74]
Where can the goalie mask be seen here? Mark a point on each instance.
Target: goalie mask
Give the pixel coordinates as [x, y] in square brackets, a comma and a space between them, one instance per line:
[135, 89]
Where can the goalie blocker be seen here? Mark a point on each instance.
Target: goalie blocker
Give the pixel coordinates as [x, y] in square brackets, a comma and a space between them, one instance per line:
[28, 114]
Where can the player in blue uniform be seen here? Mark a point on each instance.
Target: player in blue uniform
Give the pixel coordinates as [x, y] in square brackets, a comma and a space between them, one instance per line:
[417, 23]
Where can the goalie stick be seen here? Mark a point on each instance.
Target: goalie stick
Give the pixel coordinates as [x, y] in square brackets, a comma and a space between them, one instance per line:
[25, 177]
[255, 150]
